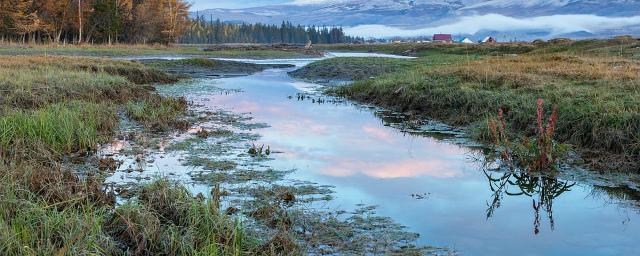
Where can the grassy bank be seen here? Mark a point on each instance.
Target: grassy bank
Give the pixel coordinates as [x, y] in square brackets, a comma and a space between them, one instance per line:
[57, 105]
[596, 93]
[349, 69]
[150, 50]
[56, 111]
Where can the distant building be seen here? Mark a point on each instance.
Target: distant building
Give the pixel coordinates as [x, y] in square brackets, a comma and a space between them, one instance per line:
[443, 38]
[466, 40]
[488, 40]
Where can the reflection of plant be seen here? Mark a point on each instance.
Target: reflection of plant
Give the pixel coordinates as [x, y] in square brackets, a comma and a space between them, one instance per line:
[542, 187]
[535, 154]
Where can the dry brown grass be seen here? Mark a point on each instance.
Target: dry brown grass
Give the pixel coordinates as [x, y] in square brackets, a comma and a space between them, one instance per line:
[538, 70]
[133, 71]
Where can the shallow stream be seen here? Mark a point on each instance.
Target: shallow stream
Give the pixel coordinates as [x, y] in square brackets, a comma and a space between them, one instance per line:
[422, 174]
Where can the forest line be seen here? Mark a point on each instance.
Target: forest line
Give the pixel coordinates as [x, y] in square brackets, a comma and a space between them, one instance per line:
[142, 22]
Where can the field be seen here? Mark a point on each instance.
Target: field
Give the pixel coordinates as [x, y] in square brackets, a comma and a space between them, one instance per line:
[233, 51]
[595, 85]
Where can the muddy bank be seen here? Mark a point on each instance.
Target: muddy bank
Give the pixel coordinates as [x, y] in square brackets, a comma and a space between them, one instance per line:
[202, 68]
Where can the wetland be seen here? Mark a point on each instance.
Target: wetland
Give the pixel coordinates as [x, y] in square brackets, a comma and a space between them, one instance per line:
[209, 155]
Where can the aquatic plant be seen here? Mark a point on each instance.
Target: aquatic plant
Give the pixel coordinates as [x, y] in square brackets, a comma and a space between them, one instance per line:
[259, 151]
[534, 154]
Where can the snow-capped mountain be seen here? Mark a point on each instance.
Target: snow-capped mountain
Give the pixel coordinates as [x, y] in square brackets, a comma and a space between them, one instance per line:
[584, 17]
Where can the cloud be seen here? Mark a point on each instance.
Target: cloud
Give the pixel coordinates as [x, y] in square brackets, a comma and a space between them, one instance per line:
[554, 25]
[304, 2]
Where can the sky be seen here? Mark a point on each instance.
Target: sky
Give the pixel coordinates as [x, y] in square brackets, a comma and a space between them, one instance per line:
[206, 4]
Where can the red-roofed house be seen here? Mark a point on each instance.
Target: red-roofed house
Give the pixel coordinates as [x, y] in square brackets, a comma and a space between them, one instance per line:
[444, 38]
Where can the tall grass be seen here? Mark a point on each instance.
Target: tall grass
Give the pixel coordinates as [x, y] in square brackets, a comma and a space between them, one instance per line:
[61, 128]
[165, 220]
[168, 220]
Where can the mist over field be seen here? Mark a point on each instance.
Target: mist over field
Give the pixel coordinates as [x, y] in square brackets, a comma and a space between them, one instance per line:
[552, 26]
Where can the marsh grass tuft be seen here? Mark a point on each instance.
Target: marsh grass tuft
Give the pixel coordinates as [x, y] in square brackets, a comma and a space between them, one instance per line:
[540, 153]
[58, 128]
[168, 220]
[159, 113]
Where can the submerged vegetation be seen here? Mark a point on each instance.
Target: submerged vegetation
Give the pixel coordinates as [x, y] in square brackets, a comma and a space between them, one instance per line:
[593, 84]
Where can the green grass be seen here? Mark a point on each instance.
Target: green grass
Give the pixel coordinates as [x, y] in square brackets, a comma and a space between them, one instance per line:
[168, 220]
[61, 128]
[159, 113]
[52, 212]
[598, 97]
[133, 71]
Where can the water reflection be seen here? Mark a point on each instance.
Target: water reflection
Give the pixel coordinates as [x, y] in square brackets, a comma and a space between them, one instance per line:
[378, 157]
[541, 188]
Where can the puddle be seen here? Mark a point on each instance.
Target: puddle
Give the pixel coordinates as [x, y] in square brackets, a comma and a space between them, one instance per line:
[428, 183]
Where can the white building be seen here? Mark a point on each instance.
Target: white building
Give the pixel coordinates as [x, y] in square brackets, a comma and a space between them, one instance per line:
[466, 40]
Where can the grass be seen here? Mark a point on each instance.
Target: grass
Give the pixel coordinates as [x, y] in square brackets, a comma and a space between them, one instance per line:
[348, 69]
[597, 97]
[159, 113]
[57, 107]
[147, 50]
[426, 49]
[62, 128]
[49, 211]
[132, 71]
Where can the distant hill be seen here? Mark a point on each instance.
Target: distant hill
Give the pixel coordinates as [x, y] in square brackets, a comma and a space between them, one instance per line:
[585, 18]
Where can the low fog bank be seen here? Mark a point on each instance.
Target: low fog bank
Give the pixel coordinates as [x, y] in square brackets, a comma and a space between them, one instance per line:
[510, 28]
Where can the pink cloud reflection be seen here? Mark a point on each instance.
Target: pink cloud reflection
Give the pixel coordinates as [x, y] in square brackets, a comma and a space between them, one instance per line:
[406, 168]
[379, 133]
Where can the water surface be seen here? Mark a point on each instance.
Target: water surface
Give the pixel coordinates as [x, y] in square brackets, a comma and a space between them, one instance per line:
[434, 185]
